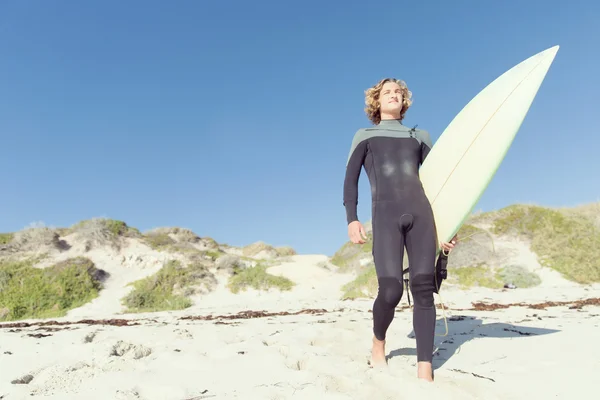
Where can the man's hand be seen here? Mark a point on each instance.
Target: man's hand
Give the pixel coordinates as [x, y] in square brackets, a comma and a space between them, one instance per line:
[356, 232]
[447, 247]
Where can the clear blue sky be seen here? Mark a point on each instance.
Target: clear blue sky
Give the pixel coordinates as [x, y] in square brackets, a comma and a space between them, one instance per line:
[234, 118]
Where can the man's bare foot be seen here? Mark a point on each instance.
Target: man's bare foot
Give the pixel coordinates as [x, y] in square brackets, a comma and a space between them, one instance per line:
[378, 354]
[425, 371]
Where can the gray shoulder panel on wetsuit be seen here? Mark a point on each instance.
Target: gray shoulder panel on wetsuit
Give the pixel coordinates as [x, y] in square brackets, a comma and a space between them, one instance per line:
[423, 137]
[401, 131]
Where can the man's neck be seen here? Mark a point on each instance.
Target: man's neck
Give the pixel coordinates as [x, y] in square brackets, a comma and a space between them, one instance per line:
[390, 116]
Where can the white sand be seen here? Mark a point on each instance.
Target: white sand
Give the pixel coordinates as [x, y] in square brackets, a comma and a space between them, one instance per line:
[307, 356]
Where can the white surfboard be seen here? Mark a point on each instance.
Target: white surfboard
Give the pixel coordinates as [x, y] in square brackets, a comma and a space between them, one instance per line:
[466, 156]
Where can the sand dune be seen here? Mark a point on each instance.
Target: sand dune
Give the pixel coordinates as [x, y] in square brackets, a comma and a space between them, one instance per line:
[512, 353]
[266, 342]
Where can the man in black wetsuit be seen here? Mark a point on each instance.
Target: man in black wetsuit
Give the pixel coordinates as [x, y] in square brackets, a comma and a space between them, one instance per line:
[401, 216]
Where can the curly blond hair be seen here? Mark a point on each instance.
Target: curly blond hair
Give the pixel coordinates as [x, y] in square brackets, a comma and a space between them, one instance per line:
[372, 99]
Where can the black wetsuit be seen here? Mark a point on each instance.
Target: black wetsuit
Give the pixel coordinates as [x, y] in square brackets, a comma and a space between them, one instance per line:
[401, 216]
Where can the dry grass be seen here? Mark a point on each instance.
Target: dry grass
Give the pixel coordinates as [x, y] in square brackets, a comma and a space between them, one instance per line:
[263, 250]
[358, 258]
[566, 242]
[6, 238]
[105, 227]
[284, 251]
[232, 264]
[181, 240]
[365, 285]
[485, 276]
[178, 234]
[97, 232]
[477, 275]
[476, 246]
[590, 212]
[36, 239]
[159, 240]
[354, 257]
[518, 276]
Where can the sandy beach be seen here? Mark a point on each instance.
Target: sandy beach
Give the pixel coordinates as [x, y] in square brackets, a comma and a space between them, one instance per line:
[306, 343]
[194, 195]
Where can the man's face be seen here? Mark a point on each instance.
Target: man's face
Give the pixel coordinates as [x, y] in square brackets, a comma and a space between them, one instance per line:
[390, 98]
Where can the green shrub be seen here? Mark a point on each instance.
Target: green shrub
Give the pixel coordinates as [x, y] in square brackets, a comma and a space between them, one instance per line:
[477, 275]
[110, 227]
[5, 238]
[519, 276]
[29, 292]
[348, 257]
[159, 241]
[365, 285]
[168, 288]
[569, 244]
[257, 278]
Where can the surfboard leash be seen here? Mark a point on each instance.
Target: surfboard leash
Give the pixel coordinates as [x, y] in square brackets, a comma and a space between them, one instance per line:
[437, 284]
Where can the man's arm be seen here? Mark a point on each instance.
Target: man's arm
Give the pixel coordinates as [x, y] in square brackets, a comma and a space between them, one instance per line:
[353, 168]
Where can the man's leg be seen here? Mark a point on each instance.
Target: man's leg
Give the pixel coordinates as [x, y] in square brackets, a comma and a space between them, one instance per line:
[388, 297]
[421, 249]
[388, 250]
